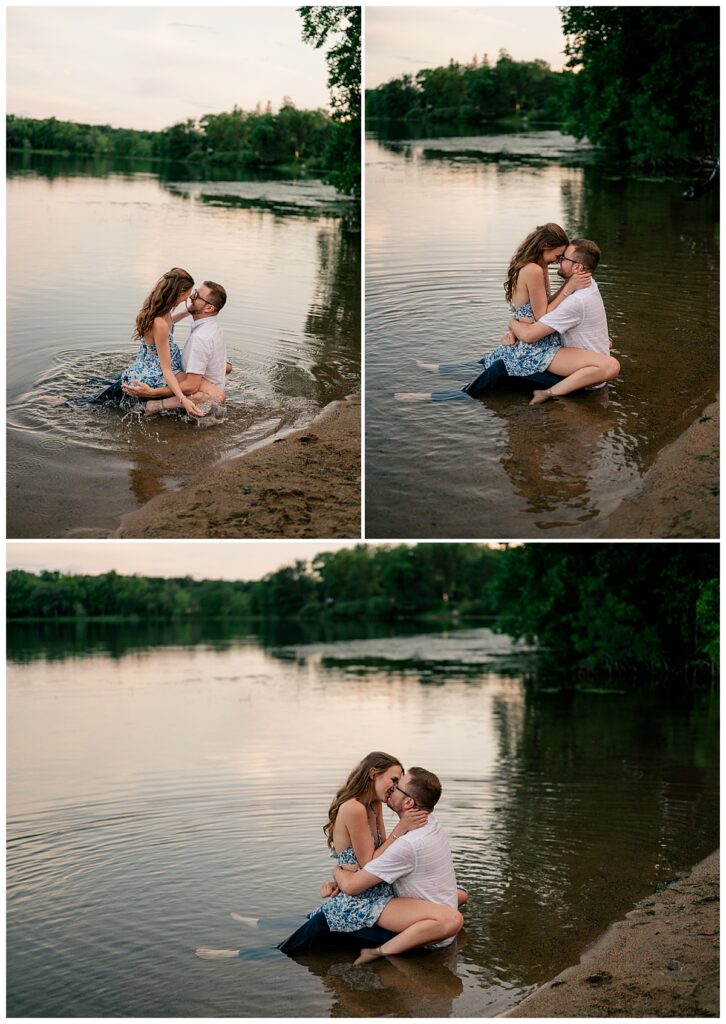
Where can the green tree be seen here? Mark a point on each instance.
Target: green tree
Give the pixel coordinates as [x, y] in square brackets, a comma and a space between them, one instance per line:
[647, 82]
[342, 27]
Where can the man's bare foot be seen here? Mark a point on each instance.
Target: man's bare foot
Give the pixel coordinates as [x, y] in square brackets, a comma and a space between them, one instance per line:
[541, 396]
[251, 922]
[216, 954]
[434, 367]
[412, 396]
[367, 956]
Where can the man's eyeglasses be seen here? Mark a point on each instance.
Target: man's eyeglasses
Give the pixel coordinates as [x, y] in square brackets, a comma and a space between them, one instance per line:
[396, 786]
[195, 295]
[559, 259]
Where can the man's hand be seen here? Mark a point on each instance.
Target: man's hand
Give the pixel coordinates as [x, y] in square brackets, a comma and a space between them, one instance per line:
[328, 889]
[138, 390]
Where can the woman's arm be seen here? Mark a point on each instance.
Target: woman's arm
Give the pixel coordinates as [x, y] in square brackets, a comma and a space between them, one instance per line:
[160, 335]
[355, 818]
[532, 276]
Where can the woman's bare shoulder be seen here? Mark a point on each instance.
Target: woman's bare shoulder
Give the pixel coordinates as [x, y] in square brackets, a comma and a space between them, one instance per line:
[351, 810]
[529, 271]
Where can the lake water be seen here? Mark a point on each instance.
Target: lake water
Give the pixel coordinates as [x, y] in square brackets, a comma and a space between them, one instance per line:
[161, 778]
[443, 217]
[86, 242]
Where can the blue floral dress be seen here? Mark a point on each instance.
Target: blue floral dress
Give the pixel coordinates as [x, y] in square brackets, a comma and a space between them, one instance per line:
[349, 913]
[146, 368]
[522, 359]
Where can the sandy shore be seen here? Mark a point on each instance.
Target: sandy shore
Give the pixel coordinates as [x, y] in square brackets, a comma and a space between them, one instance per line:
[306, 484]
[679, 496]
[662, 960]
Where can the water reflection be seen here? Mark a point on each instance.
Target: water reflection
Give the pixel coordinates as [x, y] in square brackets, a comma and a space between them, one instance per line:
[442, 222]
[168, 776]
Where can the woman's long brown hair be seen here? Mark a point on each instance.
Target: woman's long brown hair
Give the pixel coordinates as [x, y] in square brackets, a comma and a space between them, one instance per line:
[547, 236]
[359, 784]
[162, 299]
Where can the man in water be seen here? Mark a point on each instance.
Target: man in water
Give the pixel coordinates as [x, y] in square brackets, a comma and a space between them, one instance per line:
[422, 868]
[204, 357]
[580, 319]
[419, 864]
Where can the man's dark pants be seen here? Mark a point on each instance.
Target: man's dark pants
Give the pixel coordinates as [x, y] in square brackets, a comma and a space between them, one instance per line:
[497, 374]
[314, 936]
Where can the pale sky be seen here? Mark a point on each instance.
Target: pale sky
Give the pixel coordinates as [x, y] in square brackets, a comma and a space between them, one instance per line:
[221, 560]
[403, 40]
[149, 67]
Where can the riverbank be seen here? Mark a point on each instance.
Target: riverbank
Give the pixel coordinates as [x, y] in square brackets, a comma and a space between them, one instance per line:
[679, 496]
[662, 960]
[306, 484]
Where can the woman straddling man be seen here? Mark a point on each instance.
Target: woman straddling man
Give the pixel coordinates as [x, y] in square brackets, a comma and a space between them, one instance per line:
[527, 291]
[357, 836]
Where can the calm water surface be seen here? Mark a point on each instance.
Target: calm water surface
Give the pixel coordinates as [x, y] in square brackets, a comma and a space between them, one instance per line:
[86, 241]
[443, 217]
[154, 786]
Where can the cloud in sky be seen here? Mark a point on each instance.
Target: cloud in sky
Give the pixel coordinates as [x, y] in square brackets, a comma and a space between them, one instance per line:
[146, 68]
[403, 40]
[229, 560]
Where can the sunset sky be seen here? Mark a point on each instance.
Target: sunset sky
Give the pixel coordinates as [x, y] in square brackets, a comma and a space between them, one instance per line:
[227, 560]
[148, 67]
[402, 40]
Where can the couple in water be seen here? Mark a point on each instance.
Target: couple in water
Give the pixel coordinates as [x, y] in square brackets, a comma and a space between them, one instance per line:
[391, 892]
[559, 342]
[161, 375]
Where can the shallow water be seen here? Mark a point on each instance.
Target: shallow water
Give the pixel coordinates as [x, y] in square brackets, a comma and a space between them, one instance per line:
[443, 217]
[85, 244]
[155, 786]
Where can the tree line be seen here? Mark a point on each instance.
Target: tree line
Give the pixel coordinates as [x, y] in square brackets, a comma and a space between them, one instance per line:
[593, 605]
[252, 139]
[477, 92]
[640, 83]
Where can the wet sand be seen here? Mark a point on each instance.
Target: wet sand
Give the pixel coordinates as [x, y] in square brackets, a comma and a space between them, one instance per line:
[306, 484]
[679, 496]
[662, 960]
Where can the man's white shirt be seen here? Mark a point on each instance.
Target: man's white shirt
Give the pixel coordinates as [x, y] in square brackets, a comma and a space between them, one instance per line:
[420, 866]
[205, 351]
[580, 319]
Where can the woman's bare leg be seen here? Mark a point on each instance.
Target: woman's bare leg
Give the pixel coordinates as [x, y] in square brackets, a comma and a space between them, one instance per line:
[580, 367]
[207, 391]
[417, 922]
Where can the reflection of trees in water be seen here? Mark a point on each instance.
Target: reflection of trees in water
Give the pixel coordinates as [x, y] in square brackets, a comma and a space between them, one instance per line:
[597, 799]
[332, 326]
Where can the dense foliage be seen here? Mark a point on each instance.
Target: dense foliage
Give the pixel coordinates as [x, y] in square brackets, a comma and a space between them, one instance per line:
[615, 604]
[618, 605]
[257, 138]
[341, 27]
[475, 92]
[648, 80]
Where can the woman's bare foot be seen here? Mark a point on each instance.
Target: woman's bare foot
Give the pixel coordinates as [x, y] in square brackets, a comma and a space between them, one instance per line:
[367, 956]
[216, 954]
[153, 406]
[542, 396]
[434, 367]
[412, 396]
